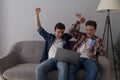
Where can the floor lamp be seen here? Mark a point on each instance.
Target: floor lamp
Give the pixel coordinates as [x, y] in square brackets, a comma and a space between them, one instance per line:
[107, 6]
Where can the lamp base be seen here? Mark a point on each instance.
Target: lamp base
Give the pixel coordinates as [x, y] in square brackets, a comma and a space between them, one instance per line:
[108, 34]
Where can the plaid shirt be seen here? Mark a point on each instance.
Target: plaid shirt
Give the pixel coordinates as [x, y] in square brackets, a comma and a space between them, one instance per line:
[81, 37]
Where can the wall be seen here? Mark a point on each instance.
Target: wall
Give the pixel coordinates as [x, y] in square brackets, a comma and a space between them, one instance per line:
[17, 18]
[1, 14]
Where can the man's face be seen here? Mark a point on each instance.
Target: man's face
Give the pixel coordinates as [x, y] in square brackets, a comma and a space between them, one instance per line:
[59, 33]
[90, 31]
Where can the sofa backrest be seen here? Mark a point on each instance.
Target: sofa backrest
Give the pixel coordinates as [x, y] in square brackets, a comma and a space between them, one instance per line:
[28, 51]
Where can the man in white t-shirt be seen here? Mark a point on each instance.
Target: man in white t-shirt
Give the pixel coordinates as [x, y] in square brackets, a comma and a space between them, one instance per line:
[52, 41]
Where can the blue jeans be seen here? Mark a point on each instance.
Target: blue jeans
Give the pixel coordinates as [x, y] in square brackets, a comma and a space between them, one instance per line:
[51, 64]
[89, 65]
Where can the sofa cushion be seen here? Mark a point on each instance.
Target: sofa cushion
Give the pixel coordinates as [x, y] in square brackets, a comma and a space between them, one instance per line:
[27, 72]
[29, 51]
[21, 71]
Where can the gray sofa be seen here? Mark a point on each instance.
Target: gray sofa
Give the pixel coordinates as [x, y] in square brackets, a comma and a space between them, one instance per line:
[24, 56]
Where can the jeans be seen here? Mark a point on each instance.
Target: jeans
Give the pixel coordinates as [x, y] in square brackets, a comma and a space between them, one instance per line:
[89, 65]
[51, 64]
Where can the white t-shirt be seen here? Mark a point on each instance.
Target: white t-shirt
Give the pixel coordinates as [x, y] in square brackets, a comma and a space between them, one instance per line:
[85, 51]
[56, 44]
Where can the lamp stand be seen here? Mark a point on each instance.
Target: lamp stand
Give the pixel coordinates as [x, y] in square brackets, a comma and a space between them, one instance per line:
[108, 33]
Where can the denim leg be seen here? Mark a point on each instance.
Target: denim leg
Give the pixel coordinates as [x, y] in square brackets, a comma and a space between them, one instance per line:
[43, 68]
[73, 69]
[91, 68]
[62, 70]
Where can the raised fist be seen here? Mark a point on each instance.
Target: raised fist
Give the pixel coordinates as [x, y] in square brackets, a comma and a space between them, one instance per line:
[37, 10]
[81, 19]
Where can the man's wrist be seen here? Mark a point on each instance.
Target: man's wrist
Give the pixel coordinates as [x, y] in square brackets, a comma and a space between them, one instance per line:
[77, 22]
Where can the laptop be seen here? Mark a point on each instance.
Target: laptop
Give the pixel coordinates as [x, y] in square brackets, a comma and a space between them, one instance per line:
[68, 56]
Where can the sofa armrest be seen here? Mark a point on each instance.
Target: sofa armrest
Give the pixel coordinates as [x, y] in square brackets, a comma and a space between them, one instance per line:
[104, 64]
[7, 61]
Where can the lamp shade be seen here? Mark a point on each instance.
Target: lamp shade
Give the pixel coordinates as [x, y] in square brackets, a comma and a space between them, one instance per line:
[108, 5]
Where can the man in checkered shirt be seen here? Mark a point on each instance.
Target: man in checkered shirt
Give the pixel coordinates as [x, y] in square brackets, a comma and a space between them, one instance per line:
[89, 54]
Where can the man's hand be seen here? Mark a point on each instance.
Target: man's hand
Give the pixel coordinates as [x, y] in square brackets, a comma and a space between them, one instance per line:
[37, 20]
[78, 15]
[37, 10]
[81, 19]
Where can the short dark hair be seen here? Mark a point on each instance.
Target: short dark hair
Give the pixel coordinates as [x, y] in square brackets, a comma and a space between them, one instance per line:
[59, 26]
[91, 23]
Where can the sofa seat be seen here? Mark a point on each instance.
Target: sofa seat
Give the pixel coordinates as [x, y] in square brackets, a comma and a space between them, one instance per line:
[26, 72]
[21, 71]
[24, 56]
